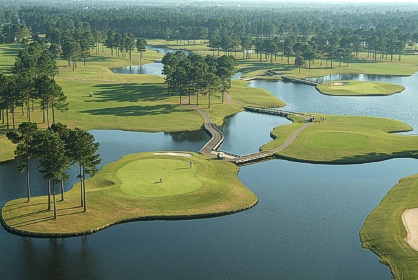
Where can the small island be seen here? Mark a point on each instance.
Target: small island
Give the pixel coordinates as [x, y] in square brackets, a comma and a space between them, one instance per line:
[389, 233]
[344, 140]
[358, 88]
[145, 186]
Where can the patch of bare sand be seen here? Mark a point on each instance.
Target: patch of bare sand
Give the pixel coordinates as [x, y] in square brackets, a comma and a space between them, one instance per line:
[173, 154]
[410, 221]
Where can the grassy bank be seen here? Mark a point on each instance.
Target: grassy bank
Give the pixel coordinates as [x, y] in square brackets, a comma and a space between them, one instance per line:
[358, 88]
[383, 231]
[130, 189]
[345, 139]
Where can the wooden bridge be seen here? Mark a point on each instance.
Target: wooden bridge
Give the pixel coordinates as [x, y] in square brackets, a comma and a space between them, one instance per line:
[270, 111]
[298, 81]
[212, 146]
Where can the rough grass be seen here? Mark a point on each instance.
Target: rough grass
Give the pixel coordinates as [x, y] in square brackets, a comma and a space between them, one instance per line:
[219, 191]
[346, 139]
[358, 88]
[383, 231]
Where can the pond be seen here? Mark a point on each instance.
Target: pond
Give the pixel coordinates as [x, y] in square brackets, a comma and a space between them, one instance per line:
[155, 68]
[305, 98]
[305, 226]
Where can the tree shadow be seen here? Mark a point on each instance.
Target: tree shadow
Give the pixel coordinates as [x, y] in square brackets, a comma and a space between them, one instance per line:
[135, 111]
[129, 92]
[374, 157]
[33, 221]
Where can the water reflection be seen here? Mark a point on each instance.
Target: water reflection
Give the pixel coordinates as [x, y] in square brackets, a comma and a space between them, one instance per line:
[56, 259]
[304, 98]
[150, 69]
[257, 130]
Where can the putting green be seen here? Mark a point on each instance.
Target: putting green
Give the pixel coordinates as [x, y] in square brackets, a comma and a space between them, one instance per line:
[130, 189]
[142, 177]
[358, 88]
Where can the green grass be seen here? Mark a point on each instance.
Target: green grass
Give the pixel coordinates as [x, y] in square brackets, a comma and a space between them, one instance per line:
[345, 139]
[117, 193]
[8, 54]
[383, 231]
[177, 177]
[130, 101]
[357, 88]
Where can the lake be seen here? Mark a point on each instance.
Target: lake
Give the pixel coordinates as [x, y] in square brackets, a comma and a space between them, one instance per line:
[305, 226]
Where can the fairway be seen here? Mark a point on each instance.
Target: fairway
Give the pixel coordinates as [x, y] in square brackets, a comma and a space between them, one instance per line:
[344, 140]
[142, 177]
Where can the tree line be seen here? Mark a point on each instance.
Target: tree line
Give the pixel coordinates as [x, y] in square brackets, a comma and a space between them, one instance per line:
[305, 34]
[31, 85]
[193, 74]
[56, 148]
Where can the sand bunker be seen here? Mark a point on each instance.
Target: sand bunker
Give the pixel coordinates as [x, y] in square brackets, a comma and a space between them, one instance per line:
[337, 84]
[410, 221]
[173, 154]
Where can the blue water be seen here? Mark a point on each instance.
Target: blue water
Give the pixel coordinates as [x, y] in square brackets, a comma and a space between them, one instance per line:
[305, 225]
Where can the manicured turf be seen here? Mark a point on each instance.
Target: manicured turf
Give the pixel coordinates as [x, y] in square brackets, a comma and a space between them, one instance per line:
[356, 88]
[346, 139]
[177, 177]
[383, 231]
[211, 187]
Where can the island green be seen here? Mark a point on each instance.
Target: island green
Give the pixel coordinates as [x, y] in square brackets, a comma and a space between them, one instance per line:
[358, 88]
[130, 189]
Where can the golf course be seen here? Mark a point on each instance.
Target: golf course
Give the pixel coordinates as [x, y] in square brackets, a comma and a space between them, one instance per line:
[182, 185]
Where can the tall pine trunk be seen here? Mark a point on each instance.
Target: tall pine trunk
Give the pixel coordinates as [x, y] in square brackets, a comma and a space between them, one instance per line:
[27, 179]
[55, 199]
[49, 194]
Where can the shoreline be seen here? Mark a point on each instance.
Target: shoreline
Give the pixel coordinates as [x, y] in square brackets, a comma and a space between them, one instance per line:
[135, 219]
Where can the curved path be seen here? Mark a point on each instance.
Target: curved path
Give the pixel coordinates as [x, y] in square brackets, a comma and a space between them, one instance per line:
[211, 147]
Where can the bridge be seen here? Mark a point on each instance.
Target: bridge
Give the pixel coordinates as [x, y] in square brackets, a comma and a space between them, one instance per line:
[212, 146]
[298, 81]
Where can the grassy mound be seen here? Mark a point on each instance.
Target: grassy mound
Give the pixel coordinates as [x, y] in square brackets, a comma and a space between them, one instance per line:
[358, 88]
[383, 231]
[345, 139]
[129, 189]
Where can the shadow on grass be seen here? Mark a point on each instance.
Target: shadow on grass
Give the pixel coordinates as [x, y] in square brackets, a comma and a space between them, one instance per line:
[129, 92]
[22, 205]
[374, 157]
[28, 214]
[135, 111]
[34, 221]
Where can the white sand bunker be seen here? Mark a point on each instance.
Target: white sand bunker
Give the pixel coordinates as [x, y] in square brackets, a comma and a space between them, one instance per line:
[337, 84]
[173, 154]
[410, 221]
